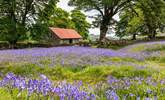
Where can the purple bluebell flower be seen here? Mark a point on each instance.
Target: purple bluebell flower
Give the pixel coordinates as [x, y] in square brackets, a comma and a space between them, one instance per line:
[138, 98]
[131, 94]
[111, 95]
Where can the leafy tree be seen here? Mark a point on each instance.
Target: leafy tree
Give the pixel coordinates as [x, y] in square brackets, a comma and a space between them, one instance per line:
[162, 18]
[19, 14]
[152, 13]
[106, 8]
[55, 17]
[122, 25]
[39, 32]
[136, 24]
[8, 9]
[130, 23]
[52, 16]
[145, 20]
[81, 25]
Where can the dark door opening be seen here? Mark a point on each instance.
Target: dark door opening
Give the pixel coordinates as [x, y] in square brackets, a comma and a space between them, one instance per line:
[70, 41]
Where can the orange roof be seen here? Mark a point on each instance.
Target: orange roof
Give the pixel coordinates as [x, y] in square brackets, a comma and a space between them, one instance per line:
[65, 33]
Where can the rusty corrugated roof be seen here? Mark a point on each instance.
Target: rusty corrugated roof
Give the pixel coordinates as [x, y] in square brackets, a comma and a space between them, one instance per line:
[65, 33]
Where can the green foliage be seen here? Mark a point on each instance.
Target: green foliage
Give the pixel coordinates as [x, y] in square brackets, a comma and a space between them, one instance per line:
[18, 16]
[121, 25]
[151, 11]
[58, 17]
[39, 32]
[143, 19]
[135, 24]
[52, 16]
[81, 25]
[106, 10]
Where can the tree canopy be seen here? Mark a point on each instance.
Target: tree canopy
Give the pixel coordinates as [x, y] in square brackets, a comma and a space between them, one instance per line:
[31, 19]
[19, 16]
[53, 16]
[146, 19]
[81, 25]
[106, 10]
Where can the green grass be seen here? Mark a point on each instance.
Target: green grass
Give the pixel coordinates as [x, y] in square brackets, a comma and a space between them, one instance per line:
[14, 94]
[118, 59]
[5, 95]
[157, 47]
[133, 72]
[91, 74]
[138, 48]
[149, 48]
[155, 67]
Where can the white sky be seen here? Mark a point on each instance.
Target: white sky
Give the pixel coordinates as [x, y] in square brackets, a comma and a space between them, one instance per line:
[64, 5]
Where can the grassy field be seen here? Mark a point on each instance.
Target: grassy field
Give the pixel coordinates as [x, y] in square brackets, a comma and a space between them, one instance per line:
[135, 72]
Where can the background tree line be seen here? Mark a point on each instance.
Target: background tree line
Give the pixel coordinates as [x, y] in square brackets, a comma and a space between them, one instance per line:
[30, 19]
[147, 18]
[136, 16]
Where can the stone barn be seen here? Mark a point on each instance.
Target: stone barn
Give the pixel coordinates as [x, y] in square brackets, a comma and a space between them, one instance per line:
[64, 36]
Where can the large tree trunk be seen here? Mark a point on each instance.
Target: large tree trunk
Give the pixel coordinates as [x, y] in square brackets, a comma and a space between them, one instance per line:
[104, 27]
[134, 36]
[103, 31]
[152, 34]
[13, 31]
[12, 44]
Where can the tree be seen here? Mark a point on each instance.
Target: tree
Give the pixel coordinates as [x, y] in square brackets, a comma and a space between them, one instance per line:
[145, 20]
[130, 23]
[20, 14]
[135, 24]
[152, 13]
[106, 10]
[162, 17]
[55, 17]
[122, 25]
[81, 25]
[52, 16]
[8, 9]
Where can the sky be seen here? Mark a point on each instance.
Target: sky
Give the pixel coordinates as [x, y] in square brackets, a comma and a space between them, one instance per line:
[64, 5]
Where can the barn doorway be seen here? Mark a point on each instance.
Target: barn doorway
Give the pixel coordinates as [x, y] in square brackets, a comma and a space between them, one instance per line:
[70, 41]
